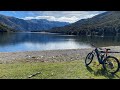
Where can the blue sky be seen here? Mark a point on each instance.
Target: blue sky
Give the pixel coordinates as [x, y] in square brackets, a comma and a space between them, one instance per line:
[63, 16]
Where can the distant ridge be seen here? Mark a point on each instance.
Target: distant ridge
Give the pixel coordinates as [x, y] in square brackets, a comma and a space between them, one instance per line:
[29, 25]
[107, 23]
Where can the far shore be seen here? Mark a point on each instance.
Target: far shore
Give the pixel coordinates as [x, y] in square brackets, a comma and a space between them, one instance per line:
[49, 55]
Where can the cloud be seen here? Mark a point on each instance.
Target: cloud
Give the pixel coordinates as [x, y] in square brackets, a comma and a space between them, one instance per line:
[64, 16]
[52, 18]
[68, 19]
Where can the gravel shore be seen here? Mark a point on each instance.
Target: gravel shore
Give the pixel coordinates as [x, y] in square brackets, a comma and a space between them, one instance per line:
[48, 55]
[44, 56]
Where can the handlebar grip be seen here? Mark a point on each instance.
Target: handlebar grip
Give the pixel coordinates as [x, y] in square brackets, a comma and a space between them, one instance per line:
[93, 45]
[100, 48]
[108, 49]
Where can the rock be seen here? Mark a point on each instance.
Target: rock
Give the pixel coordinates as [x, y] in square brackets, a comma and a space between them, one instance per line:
[33, 57]
[53, 56]
[41, 56]
[27, 56]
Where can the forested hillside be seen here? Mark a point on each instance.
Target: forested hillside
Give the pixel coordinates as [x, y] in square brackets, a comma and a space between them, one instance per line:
[4, 28]
[107, 23]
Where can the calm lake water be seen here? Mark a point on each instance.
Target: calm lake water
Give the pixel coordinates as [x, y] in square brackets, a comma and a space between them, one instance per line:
[15, 42]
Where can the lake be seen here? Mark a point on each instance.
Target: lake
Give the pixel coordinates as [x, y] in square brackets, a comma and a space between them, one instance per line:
[15, 42]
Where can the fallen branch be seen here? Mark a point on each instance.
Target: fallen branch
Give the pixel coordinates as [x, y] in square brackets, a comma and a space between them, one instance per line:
[34, 74]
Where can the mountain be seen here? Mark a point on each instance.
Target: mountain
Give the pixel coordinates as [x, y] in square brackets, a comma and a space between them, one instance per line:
[29, 25]
[4, 28]
[107, 23]
[43, 24]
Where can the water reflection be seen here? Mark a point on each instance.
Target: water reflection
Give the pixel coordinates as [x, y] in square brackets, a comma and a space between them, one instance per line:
[10, 42]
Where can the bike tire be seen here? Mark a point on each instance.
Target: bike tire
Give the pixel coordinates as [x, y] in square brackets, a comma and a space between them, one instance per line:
[107, 62]
[89, 58]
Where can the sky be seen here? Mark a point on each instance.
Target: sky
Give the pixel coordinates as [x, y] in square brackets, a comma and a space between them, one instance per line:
[62, 16]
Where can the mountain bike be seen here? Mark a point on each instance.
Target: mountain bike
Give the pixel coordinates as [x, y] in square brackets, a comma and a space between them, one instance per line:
[109, 63]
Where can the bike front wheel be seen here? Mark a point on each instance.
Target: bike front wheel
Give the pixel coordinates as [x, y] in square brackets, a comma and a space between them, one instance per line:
[111, 64]
[89, 58]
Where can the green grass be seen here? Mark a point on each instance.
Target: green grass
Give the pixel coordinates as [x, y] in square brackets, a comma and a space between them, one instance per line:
[56, 70]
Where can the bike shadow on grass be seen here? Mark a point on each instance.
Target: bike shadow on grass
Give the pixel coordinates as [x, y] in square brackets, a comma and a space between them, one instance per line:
[102, 72]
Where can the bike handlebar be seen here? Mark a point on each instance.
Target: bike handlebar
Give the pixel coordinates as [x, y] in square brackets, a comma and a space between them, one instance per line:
[109, 52]
[95, 46]
[107, 49]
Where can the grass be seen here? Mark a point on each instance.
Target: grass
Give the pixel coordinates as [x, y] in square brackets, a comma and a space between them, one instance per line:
[54, 70]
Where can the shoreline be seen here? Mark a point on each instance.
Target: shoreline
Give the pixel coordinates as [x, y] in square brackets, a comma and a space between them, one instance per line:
[49, 55]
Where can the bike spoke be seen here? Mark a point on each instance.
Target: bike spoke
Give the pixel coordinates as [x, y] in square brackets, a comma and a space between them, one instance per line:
[111, 65]
[89, 59]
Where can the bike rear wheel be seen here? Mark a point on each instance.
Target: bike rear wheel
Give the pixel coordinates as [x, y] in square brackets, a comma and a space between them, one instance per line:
[89, 58]
[111, 64]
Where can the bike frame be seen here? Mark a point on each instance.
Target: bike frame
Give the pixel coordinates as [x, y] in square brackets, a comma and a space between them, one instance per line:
[97, 52]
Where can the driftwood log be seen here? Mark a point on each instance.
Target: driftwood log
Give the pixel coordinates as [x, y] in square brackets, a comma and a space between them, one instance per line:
[34, 74]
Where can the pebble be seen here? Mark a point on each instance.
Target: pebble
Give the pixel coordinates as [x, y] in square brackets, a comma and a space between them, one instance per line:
[41, 56]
